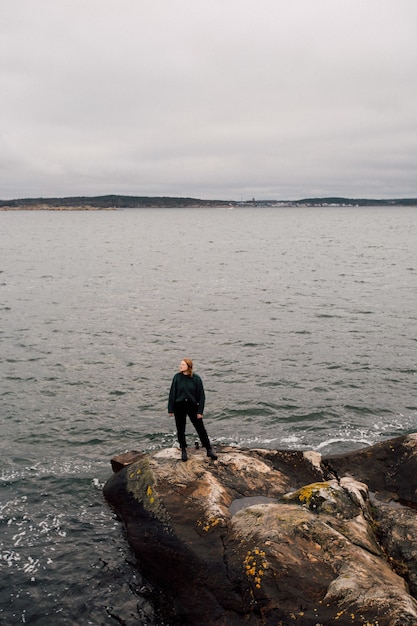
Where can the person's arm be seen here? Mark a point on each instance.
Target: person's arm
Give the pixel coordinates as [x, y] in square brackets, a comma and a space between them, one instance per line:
[201, 397]
[171, 398]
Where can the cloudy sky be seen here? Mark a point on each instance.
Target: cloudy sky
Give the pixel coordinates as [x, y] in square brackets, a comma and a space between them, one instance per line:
[231, 99]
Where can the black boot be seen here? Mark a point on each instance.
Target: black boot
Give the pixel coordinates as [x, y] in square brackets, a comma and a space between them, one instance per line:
[184, 456]
[211, 454]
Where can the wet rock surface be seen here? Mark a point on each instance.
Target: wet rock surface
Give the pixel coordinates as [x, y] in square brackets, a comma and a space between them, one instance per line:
[275, 537]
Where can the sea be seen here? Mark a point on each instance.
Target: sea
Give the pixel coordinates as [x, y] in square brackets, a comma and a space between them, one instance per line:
[302, 323]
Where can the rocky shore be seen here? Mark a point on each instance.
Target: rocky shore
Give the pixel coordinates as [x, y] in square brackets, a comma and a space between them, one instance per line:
[275, 537]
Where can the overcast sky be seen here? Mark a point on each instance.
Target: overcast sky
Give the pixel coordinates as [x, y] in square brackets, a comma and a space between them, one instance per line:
[230, 99]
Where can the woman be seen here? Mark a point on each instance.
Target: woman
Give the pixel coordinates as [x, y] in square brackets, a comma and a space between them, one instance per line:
[186, 397]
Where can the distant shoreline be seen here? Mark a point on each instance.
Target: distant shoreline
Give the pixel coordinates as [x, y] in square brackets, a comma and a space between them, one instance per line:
[45, 207]
[115, 202]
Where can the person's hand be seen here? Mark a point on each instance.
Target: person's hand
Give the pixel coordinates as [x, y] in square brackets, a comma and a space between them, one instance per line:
[199, 416]
[170, 414]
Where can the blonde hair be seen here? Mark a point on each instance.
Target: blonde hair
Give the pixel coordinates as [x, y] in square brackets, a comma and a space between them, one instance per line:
[190, 366]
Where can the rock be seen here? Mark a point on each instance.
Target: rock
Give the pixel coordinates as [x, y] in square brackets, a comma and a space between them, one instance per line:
[388, 468]
[275, 537]
[125, 459]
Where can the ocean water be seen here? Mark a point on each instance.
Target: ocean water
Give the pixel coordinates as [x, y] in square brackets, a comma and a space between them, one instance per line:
[301, 322]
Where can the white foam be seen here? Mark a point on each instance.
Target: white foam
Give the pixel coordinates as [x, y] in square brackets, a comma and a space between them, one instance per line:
[335, 440]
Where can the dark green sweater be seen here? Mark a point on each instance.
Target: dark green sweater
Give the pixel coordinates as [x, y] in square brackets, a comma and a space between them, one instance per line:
[186, 388]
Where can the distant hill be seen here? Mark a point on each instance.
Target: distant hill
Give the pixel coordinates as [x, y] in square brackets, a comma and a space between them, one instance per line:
[107, 202]
[118, 202]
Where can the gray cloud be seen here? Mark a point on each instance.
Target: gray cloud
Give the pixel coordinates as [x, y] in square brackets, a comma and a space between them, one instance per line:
[219, 99]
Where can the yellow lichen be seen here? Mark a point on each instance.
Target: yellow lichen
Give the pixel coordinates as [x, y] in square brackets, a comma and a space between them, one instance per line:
[252, 569]
[141, 484]
[306, 493]
[208, 524]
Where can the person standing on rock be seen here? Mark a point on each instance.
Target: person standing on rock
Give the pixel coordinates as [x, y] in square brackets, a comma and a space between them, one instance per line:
[187, 397]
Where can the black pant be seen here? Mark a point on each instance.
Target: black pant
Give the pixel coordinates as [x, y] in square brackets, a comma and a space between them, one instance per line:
[181, 410]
